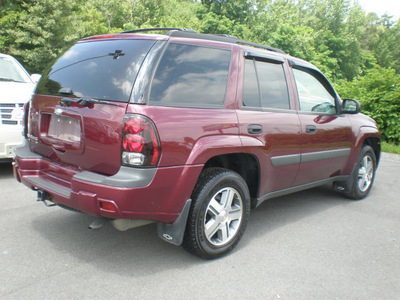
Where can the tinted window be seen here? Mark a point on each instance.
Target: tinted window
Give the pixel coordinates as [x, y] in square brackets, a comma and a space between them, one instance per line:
[251, 95]
[273, 87]
[264, 82]
[315, 93]
[191, 75]
[100, 69]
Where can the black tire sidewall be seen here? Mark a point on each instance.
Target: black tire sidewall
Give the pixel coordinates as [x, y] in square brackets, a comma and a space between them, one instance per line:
[356, 192]
[221, 180]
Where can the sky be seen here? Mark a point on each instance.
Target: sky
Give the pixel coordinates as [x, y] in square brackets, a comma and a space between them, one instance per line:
[392, 7]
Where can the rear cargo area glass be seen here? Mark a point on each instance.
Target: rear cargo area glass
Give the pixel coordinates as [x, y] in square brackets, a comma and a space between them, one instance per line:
[102, 69]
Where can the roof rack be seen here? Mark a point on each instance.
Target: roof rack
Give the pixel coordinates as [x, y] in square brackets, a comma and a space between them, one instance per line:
[260, 46]
[159, 29]
[203, 36]
[190, 33]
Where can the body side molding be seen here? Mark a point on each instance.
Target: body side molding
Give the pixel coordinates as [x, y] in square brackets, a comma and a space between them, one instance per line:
[285, 160]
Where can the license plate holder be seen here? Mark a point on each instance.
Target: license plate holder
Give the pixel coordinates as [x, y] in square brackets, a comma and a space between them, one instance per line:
[65, 128]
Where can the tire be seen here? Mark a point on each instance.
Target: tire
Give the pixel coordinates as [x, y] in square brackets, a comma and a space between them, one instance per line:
[218, 215]
[364, 174]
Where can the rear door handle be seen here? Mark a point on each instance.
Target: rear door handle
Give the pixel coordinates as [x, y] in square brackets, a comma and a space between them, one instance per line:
[255, 129]
[311, 129]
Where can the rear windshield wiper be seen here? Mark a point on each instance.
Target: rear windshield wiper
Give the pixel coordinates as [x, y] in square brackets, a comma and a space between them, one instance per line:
[84, 101]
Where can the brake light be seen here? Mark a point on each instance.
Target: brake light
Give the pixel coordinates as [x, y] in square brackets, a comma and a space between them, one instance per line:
[133, 143]
[140, 142]
[98, 37]
[134, 125]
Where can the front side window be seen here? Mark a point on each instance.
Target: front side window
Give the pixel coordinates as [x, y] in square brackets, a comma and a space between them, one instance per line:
[315, 93]
[264, 85]
[191, 75]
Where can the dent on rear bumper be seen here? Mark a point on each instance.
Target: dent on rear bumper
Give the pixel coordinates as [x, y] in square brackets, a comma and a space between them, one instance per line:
[157, 194]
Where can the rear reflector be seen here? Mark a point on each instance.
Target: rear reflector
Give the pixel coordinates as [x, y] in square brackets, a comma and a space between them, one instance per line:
[107, 206]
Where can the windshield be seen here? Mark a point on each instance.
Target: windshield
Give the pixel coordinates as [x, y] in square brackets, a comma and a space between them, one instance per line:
[12, 71]
[104, 70]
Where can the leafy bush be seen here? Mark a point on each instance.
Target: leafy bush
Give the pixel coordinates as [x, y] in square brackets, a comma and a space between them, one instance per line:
[379, 94]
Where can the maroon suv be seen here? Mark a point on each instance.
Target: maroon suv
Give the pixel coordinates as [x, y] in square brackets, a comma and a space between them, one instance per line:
[188, 130]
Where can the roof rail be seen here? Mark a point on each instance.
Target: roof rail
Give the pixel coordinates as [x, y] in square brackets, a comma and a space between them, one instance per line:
[260, 46]
[221, 38]
[203, 36]
[159, 29]
[190, 33]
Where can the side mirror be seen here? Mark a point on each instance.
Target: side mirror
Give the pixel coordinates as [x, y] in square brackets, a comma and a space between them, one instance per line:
[350, 106]
[36, 77]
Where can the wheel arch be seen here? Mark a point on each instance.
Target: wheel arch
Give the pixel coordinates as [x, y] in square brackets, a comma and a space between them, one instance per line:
[367, 135]
[246, 165]
[375, 144]
[226, 151]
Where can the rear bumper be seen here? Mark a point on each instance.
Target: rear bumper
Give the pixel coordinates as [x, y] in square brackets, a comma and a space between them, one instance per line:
[157, 194]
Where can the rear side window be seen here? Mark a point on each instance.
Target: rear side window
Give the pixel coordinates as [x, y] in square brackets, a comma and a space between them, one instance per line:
[102, 69]
[251, 93]
[190, 75]
[265, 85]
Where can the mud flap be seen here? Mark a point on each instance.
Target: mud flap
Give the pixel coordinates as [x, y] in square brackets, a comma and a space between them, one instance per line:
[173, 233]
[346, 186]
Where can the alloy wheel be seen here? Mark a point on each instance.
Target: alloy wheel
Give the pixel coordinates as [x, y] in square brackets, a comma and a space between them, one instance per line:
[223, 216]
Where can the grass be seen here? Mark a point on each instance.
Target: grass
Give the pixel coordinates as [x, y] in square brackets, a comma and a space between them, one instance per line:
[390, 148]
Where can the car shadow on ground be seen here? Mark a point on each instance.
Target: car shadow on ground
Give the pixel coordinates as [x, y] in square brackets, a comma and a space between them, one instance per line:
[6, 170]
[139, 252]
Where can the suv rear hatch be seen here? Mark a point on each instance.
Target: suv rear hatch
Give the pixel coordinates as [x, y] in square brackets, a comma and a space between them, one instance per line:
[77, 112]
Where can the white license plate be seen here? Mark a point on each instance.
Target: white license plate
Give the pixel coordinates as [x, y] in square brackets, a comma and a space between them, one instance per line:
[65, 128]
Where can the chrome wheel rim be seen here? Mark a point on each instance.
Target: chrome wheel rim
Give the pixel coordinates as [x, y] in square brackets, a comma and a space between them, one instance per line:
[223, 216]
[365, 173]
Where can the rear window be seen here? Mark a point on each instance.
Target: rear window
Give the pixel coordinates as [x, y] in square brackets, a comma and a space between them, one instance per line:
[191, 75]
[103, 70]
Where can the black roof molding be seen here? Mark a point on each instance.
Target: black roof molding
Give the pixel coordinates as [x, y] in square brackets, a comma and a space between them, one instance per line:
[190, 33]
[159, 29]
[202, 36]
[260, 46]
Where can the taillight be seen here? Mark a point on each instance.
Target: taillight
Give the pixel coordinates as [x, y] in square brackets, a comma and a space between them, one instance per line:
[140, 142]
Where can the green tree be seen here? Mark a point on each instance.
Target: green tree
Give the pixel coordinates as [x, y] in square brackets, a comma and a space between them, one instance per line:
[180, 14]
[226, 17]
[39, 31]
[379, 94]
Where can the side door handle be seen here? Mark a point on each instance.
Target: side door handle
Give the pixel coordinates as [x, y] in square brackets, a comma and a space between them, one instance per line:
[255, 129]
[311, 129]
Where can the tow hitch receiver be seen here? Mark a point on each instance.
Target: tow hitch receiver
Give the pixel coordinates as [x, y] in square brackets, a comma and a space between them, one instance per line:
[45, 197]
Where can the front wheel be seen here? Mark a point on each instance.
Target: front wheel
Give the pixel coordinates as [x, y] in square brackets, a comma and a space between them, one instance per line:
[219, 213]
[364, 175]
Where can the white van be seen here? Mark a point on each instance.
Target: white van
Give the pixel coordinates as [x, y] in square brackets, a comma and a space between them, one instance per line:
[16, 88]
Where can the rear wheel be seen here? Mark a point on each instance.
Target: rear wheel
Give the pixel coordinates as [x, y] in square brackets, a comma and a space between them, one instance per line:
[364, 175]
[219, 213]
